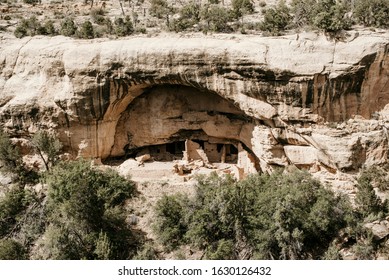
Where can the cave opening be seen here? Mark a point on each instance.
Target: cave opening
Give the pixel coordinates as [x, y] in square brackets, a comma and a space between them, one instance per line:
[175, 122]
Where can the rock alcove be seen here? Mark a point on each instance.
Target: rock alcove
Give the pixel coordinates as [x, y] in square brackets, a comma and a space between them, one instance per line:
[173, 122]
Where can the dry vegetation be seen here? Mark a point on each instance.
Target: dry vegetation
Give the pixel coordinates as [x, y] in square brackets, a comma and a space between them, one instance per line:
[89, 19]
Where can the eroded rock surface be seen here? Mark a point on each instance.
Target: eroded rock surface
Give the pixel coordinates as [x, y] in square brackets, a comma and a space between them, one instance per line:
[281, 101]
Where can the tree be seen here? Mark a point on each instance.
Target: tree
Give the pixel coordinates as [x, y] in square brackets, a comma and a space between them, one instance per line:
[49, 28]
[189, 16]
[242, 7]
[12, 161]
[159, 8]
[262, 217]
[85, 214]
[86, 30]
[276, 19]
[303, 12]
[216, 18]
[366, 199]
[123, 27]
[330, 16]
[28, 27]
[9, 154]
[47, 146]
[68, 27]
[11, 207]
[11, 250]
[372, 13]
[169, 223]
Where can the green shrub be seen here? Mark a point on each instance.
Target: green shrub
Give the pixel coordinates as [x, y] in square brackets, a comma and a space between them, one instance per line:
[367, 201]
[364, 249]
[32, 2]
[68, 27]
[147, 252]
[86, 30]
[262, 217]
[9, 154]
[159, 9]
[50, 29]
[169, 221]
[276, 19]
[11, 250]
[216, 18]
[372, 13]
[332, 253]
[189, 16]
[303, 12]
[85, 214]
[28, 27]
[123, 27]
[330, 16]
[97, 16]
[16, 209]
[224, 250]
[11, 207]
[12, 161]
[47, 146]
[242, 7]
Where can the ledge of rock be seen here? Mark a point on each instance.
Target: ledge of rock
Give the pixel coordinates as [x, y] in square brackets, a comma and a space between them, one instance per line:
[284, 100]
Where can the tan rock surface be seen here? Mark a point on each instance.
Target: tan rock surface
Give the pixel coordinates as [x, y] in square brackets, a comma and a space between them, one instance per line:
[270, 93]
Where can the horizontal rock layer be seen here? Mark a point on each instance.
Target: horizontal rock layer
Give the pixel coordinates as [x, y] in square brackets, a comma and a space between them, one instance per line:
[275, 94]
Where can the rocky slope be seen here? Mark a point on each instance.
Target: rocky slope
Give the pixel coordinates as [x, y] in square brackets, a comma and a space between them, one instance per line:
[301, 99]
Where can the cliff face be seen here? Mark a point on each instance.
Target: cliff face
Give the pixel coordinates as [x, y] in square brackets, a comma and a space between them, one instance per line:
[278, 97]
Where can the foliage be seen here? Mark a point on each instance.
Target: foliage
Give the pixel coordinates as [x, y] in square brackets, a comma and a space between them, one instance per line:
[11, 206]
[32, 2]
[332, 253]
[242, 7]
[159, 8]
[103, 247]
[68, 27]
[276, 19]
[277, 216]
[85, 215]
[12, 161]
[216, 18]
[11, 250]
[47, 146]
[223, 250]
[372, 13]
[147, 252]
[9, 154]
[86, 30]
[303, 12]
[378, 176]
[170, 224]
[123, 27]
[97, 15]
[49, 28]
[28, 27]
[330, 16]
[19, 219]
[364, 249]
[366, 199]
[189, 16]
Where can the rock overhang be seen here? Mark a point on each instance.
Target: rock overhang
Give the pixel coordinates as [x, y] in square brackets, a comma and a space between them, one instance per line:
[280, 82]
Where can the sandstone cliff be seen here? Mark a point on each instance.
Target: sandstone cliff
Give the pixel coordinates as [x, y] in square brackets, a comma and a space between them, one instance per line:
[300, 99]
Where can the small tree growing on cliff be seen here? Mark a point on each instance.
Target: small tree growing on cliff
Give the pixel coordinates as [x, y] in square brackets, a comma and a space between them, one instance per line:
[47, 146]
[276, 19]
[86, 31]
[9, 154]
[68, 27]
